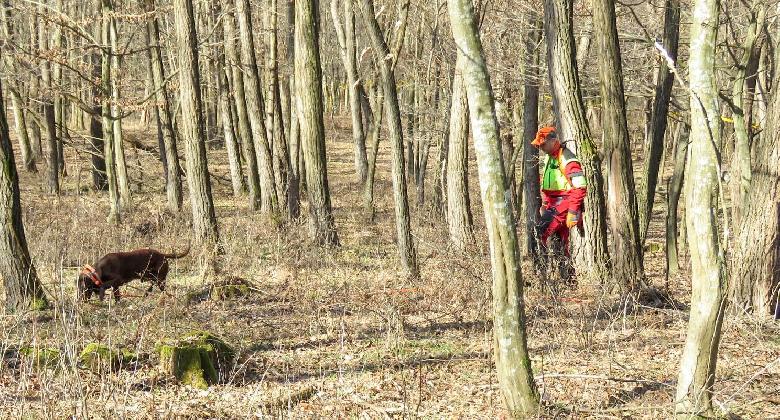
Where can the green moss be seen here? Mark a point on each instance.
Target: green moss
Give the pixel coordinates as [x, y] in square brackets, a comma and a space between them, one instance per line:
[230, 291]
[39, 304]
[198, 359]
[127, 357]
[42, 357]
[99, 358]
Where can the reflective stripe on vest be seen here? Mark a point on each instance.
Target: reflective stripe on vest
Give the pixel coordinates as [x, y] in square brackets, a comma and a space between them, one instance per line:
[555, 179]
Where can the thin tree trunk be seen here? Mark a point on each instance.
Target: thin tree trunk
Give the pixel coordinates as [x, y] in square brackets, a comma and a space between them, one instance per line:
[375, 135]
[592, 256]
[459, 218]
[119, 149]
[700, 353]
[383, 57]
[48, 110]
[204, 221]
[269, 202]
[627, 265]
[531, 77]
[226, 117]
[674, 190]
[273, 108]
[23, 289]
[513, 364]
[244, 130]
[308, 78]
[658, 119]
[115, 205]
[294, 181]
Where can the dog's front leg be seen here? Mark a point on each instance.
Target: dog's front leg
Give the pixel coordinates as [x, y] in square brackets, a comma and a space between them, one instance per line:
[117, 295]
[102, 293]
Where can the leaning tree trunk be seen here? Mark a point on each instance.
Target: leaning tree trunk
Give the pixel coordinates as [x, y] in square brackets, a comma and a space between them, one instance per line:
[204, 221]
[627, 266]
[374, 136]
[173, 173]
[386, 62]
[697, 367]
[20, 120]
[48, 111]
[592, 256]
[658, 119]
[308, 80]
[531, 77]
[755, 262]
[513, 364]
[269, 202]
[23, 289]
[459, 219]
[244, 129]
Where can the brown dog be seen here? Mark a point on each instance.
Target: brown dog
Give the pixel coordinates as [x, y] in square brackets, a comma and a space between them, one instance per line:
[118, 268]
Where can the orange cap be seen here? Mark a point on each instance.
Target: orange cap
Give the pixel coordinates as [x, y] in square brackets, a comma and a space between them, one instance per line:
[543, 134]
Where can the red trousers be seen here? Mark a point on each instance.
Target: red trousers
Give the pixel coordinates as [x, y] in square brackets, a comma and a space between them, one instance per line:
[553, 221]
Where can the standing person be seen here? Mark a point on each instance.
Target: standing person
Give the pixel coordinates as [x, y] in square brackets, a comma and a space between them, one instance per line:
[563, 193]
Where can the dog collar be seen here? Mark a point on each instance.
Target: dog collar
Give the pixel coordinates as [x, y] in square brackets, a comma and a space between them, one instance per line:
[90, 272]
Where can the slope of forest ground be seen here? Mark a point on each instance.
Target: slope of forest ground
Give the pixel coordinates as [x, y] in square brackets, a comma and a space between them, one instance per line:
[339, 332]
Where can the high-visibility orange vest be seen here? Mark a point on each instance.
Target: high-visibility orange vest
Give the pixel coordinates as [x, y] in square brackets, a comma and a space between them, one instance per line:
[554, 176]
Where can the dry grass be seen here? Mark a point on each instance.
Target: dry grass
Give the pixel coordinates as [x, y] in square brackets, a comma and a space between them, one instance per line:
[338, 332]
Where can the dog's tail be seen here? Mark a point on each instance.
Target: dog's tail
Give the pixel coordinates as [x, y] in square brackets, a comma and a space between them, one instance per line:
[178, 255]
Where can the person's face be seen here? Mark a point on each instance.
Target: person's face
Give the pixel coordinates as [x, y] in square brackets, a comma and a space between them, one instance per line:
[550, 145]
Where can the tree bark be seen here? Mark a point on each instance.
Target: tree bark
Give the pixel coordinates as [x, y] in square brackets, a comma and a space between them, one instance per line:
[531, 77]
[23, 289]
[386, 62]
[459, 218]
[294, 180]
[674, 191]
[48, 110]
[226, 117]
[173, 172]
[119, 149]
[513, 364]
[592, 256]
[755, 262]
[115, 205]
[697, 366]
[308, 80]
[192, 126]
[658, 119]
[627, 266]
[269, 201]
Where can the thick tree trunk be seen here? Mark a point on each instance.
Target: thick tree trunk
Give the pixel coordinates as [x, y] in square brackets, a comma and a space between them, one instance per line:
[244, 129]
[204, 221]
[115, 205]
[658, 119]
[170, 151]
[459, 218]
[755, 262]
[386, 61]
[531, 77]
[697, 366]
[627, 266]
[308, 79]
[513, 364]
[592, 256]
[23, 290]
[269, 199]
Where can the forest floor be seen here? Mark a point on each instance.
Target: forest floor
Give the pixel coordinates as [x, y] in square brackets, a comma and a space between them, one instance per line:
[340, 333]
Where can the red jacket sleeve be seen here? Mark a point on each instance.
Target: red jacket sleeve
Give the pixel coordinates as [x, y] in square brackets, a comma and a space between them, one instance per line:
[576, 196]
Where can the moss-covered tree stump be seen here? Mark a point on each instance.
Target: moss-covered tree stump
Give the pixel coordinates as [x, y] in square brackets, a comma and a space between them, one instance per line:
[41, 357]
[198, 359]
[100, 358]
[229, 289]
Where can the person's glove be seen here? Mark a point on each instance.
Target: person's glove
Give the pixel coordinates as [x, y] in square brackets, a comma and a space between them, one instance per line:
[572, 218]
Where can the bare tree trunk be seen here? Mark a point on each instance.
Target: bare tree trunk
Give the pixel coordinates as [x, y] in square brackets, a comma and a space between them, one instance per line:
[513, 364]
[593, 255]
[459, 219]
[700, 353]
[226, 117]
[308, 79]
[20, 120]
[115, 205]
[273, 108]
[244, 129]
[23, 289]
[345, 35]
[627, 267]
[119, 149]
[383, 57]
[48, 110]
[269, 202]
[294, 180]
[658, 119]
[531, 77]
[204, 221]
[374, 135]
[674, 190]
[755, 262]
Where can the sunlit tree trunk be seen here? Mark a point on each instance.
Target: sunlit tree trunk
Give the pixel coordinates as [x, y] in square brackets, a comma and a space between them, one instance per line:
[459, 219]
